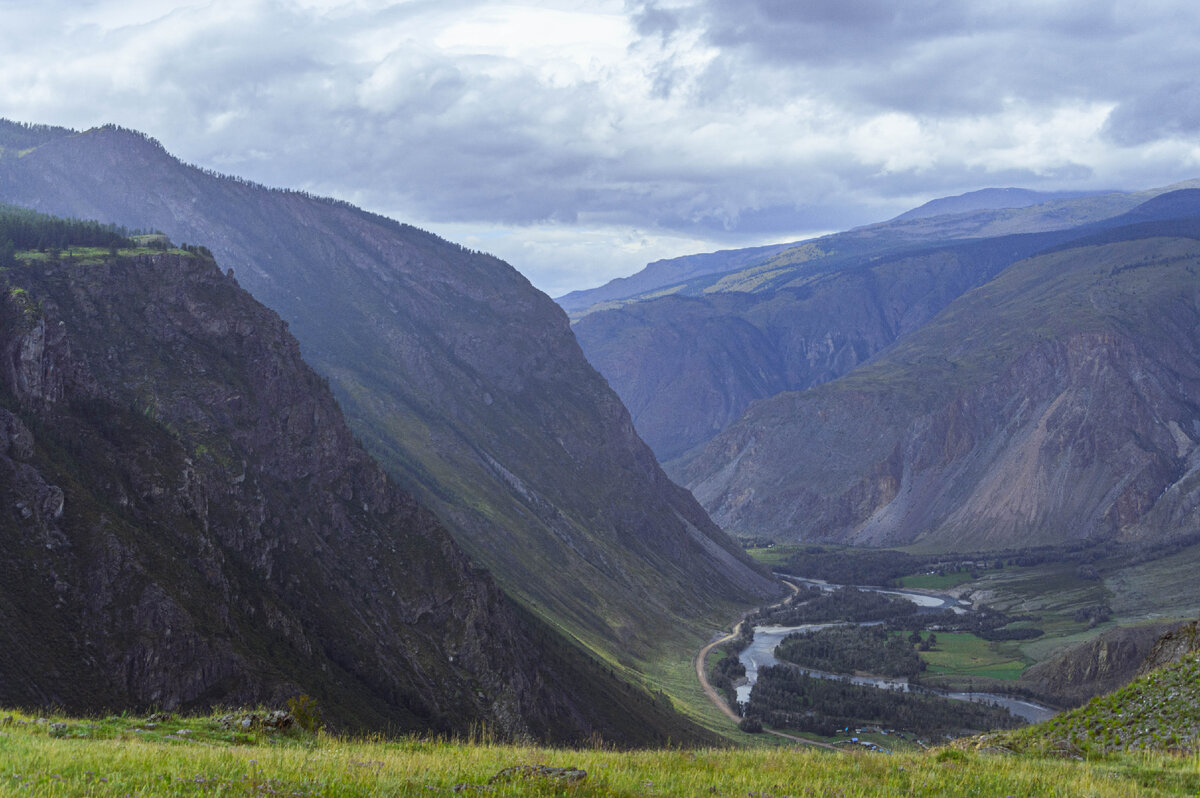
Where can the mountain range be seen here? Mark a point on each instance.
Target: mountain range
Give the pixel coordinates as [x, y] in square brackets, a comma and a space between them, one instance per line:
[519, 563]
[906, 384]
[688, 357]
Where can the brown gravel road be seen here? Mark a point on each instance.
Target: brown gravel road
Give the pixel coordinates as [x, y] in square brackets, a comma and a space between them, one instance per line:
[716, 698]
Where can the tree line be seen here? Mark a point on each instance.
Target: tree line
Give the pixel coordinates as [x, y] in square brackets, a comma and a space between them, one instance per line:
[23, 229]
[784, 697]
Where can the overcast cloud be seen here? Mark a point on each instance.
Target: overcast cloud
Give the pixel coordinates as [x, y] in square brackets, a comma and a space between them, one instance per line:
[580, 140]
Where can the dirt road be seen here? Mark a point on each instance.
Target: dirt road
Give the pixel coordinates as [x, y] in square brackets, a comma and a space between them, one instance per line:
[716, 698]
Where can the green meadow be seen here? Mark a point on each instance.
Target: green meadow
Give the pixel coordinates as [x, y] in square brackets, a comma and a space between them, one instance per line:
[123, 756]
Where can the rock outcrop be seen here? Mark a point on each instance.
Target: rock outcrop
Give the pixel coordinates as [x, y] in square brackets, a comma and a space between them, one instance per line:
[1103, 664]
[1172, 647]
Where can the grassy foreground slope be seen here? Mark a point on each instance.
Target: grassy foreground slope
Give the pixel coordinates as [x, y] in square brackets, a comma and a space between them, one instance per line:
[124, 756]
[1157, 712]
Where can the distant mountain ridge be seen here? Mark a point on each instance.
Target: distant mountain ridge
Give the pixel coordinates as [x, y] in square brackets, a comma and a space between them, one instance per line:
[1055, 402]
[462, 379]
[688, 364]
[663, 273]
[989, 199]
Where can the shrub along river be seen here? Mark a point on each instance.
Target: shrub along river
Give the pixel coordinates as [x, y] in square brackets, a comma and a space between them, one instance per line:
[761, 654]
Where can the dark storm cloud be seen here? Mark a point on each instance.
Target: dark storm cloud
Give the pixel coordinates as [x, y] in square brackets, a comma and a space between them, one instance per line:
[937, 57]
[1169, 111]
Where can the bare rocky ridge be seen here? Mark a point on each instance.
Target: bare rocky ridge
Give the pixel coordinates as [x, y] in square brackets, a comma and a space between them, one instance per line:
[1057, 402]
[187, 520]
[1172, 647]
[688, 367]
[689, 363]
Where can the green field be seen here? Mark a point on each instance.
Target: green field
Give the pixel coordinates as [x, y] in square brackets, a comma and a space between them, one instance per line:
[962, 654]
[773, 555]
[121, 756]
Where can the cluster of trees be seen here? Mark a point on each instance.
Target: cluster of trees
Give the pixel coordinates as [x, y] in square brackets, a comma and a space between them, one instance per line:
[846, 649]
[1094, 615]
[198, 249]
[22, 229]
[786, 698]
[841, 604]
[725, 675]
[849, 566]
[986, 622]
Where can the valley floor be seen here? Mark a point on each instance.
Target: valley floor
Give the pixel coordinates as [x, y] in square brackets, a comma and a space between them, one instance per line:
[122, 756]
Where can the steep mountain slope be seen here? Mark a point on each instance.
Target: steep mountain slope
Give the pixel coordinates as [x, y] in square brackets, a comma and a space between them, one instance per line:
[1059, 401]
[462, 379]
[187, 520]
[1105, 663]
[686, 368]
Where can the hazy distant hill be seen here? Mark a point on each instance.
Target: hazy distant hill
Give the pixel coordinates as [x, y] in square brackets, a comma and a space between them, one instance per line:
[988, 199]
[1057, 401]
[662, 274]
[461, 378]
[186, 520]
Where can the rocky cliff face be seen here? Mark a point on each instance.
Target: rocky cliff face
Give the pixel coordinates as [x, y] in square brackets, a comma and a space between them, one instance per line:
[187, 520]
[1057, 402]
[1172, 647]
[462, 379]
[1101, 665]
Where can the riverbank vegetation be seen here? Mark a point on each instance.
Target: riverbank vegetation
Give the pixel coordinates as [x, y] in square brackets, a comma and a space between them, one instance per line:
[786, 698]
[120, 756]
[847, 565]
[847, 649]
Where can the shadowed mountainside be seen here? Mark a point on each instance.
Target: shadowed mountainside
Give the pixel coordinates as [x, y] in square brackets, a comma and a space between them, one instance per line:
[187, 521]
[461, 378]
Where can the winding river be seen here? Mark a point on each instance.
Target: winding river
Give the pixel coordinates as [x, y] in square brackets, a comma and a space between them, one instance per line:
[761, 654]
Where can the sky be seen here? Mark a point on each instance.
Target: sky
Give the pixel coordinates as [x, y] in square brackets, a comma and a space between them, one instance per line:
[581, 140]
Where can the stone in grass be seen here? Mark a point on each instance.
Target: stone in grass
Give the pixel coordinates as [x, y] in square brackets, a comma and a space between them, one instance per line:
[528, 772]
[276, 720]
